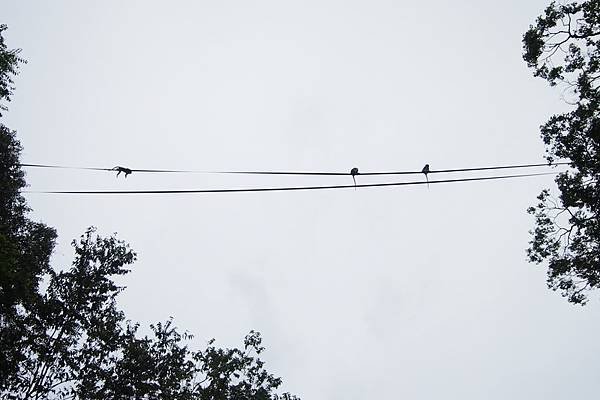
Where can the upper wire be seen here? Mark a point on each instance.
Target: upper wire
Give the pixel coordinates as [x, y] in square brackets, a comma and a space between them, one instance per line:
[516, 166]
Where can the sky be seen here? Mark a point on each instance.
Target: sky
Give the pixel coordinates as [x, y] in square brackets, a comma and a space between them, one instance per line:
[371, 293]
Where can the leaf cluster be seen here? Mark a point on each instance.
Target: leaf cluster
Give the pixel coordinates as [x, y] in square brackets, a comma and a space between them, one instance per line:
[79, 345]
[9, 67]
[25, 250]
[563, 47]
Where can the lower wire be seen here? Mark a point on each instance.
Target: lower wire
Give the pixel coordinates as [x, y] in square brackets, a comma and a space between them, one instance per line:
[279, 189]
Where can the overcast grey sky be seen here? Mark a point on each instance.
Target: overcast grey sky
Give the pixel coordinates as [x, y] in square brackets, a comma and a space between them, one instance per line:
[374, 293]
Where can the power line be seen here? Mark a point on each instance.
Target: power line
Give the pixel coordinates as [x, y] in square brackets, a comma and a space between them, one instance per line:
[63, 167]
[391, 172]
[171, 171]
[278, 189]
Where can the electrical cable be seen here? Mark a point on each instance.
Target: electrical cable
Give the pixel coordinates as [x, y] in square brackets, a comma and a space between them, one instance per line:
[516, 166]
[63, 167]
[278, 189]
[390, 172]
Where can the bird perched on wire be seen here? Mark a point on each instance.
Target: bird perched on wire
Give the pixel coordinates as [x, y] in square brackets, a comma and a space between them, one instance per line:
[425, 170]
[124, 170]
[354, 172]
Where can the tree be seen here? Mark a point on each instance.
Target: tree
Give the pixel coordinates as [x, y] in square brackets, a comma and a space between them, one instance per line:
[25, 246]
[80, 346]
[68, 339]
[9, 67]
[563, 47]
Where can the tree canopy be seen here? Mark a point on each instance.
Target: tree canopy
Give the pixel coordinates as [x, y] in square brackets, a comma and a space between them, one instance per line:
[68, 339]
[563, 47]
[25, 245]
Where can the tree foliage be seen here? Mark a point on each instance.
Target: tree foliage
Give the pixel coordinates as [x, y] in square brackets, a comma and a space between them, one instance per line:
[67, 338]
[25, 245]
[563, 47]
[9, 67]
[80, 346]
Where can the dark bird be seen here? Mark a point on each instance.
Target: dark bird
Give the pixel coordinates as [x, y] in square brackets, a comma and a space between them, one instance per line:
[425, 170]
[124, 170]
[354, 172]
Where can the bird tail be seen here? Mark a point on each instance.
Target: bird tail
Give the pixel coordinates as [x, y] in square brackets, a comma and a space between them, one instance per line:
[354, 179]
[426, 177]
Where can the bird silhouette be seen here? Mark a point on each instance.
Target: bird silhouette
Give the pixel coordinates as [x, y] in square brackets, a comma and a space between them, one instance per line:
[354, 172]
[425, 170]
